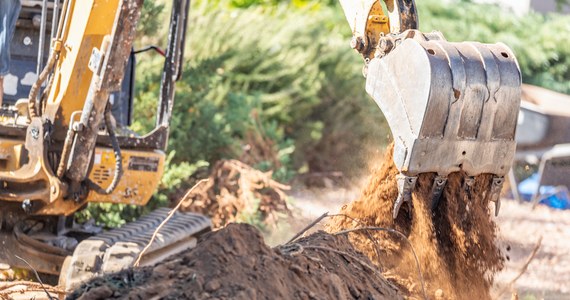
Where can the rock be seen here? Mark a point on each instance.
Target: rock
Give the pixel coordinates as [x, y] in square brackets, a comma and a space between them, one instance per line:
[212, 286]
[439, 294]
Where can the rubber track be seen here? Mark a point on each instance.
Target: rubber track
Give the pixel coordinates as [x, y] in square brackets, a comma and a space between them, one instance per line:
[118, 248]
[180, 226]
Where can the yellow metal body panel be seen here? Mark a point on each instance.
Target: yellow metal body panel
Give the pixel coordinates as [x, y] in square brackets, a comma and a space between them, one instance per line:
[142, 171]
[90, 21]
[378, 23]
[10, 154]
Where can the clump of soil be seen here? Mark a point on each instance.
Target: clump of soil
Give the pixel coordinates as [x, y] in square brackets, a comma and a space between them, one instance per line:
[236, 192]
[455, 244]
[235, 263]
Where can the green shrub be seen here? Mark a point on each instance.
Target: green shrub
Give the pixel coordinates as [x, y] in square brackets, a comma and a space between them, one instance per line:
[285, 75]
[539, 41]
[285, 72]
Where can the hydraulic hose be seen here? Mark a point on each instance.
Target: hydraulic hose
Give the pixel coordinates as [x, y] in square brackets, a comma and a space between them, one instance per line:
[32, 106]
[37, 85]
[118, 158]
[62, 167]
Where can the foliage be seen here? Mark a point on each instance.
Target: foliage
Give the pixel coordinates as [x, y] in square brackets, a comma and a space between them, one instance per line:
[561, 3]
[282, 73]
[271, 3]
[150, 20]
[108, 214]
[257, 96]
[278, 85]
[539, 41]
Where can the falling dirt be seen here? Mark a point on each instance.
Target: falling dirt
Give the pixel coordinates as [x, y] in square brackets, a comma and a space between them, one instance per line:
[455, 245]
[235, 263]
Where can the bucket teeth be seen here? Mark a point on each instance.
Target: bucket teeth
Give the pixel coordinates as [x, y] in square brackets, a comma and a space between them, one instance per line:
[437, 190]
[495, 195]
[406, 186]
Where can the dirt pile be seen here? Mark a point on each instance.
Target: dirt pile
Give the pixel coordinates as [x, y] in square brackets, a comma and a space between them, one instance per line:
[236, 192]
[454, 244]
[235, 263]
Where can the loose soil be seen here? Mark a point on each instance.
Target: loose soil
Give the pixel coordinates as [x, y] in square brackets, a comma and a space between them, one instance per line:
[235, 263]
[237, 192]
[455, 244]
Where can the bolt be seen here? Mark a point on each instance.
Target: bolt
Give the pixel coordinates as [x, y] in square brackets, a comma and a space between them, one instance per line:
[357, 43]
[35, 133]
[27, 206]
[77, 127]
[76, 197]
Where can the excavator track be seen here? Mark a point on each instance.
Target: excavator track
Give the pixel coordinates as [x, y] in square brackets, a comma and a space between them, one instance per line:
[118, 249]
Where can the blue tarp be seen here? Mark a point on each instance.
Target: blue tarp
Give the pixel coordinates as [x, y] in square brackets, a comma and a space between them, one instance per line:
[556, 200]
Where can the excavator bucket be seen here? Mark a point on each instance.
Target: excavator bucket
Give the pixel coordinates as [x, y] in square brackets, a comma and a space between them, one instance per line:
[450, 106]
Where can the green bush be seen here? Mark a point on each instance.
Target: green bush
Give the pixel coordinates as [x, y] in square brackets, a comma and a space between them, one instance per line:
[286, 75]
[539, 41]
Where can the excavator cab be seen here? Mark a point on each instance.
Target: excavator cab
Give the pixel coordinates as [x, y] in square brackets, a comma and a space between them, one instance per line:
[27, 60]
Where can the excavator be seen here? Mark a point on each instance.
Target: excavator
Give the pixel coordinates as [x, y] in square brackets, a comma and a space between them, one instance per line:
[64, 138]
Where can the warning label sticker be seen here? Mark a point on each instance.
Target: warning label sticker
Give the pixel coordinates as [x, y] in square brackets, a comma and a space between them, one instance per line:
[141, 163]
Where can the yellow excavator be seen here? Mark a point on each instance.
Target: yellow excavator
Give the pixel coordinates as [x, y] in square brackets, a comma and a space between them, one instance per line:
[64, 143]
[64, 139]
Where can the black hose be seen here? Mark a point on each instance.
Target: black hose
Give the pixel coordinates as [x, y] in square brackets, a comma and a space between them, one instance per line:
[66, 151]
[118, 158]
[47, 70]
[32, 107]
